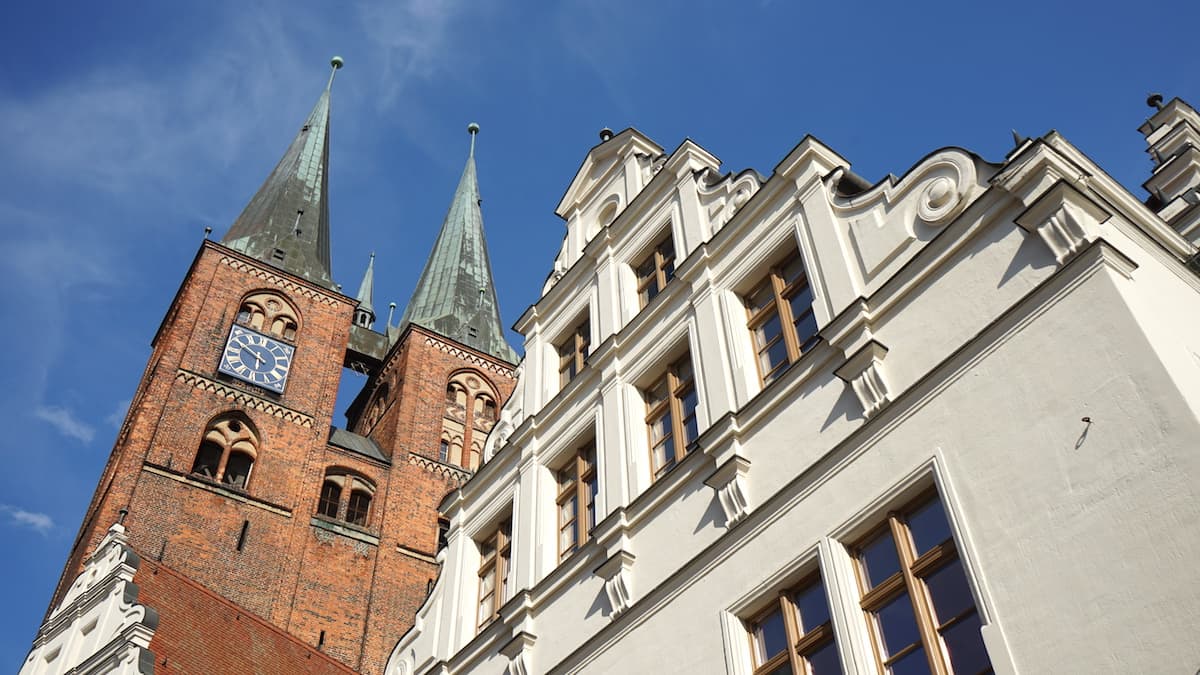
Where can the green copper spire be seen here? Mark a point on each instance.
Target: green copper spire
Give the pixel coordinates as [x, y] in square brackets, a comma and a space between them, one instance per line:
[364, 315]
[286, 224]
[455, 296]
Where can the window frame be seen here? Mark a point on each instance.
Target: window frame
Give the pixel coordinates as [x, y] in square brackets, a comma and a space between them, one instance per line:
[677, 389]
[662, 270]
[498, 561]
[349, 484]
[800, 643]
[910, 581]
[782, 293]
[582, 486]
[243, 441]
[573, 352]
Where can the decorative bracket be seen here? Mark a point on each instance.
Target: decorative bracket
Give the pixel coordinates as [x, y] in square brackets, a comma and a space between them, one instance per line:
[1066, 219]
[864, 372]
[729, 482]
[517, 650]
[617, 573]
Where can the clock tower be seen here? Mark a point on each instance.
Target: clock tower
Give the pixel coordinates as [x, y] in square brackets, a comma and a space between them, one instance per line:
[229, 464]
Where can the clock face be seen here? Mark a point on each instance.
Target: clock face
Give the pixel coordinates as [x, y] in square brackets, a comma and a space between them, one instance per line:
[256, 358]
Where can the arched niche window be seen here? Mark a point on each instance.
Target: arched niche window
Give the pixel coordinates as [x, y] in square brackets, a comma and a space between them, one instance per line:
[269, 313]
[471, 411]
[378, 404]
[346, 496]
[227, 450]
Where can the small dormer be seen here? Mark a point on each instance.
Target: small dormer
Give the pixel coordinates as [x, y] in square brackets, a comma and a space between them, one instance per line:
[612, 174]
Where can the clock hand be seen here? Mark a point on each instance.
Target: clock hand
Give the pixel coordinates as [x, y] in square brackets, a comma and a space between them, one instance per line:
[256, 356]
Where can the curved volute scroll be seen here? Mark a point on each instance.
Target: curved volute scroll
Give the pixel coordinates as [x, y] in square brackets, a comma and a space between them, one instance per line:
[884, 221]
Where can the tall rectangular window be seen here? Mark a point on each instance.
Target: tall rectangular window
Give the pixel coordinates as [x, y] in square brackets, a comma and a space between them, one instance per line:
[572, 352]
[795, 634]
[781, 317]
[494, 555]
[915, 595]
[577, 488]
[655, 270]
[671, 415]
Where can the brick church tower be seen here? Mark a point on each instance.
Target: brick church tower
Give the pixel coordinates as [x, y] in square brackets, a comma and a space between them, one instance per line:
[228, 463]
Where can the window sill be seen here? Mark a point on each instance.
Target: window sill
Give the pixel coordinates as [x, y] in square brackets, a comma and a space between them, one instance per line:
[228, 492]
[345, 529]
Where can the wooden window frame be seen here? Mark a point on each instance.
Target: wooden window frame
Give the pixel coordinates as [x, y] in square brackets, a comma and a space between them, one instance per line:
[677, 389]
[348, 483]
[800, 644]
[782, 292]
[498, 561]
[662, 270]
[573, 351]
[909, 581]
[580, 474]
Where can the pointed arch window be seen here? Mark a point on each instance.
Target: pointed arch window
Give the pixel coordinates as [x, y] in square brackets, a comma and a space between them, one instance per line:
[269, 313]
[227, 450]
[346, 496]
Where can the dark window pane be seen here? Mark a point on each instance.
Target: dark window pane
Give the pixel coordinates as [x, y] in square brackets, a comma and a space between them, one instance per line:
[792, 270]
[237, 469]
[950, 592]
[965, 644]
[770, 637]
[806, 329]
[207, 460]
[669, 269]
[928, 526]
[913, 663]
[330, 494]
[774, 356]
[824, 660]
[879, 559]
[784, 669]
[769, 330]
[760, 297]
[897, 624]
[814, 611]
[357, 509]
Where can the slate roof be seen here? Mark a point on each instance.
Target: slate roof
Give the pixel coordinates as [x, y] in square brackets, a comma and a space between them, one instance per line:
[286, 223]
[348, 440]
[456, 296]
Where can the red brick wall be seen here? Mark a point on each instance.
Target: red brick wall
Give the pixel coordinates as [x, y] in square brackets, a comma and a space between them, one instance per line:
[303, 578]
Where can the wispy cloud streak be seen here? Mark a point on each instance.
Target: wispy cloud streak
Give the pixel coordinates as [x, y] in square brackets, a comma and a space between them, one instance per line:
[66, 423]
[38, 522]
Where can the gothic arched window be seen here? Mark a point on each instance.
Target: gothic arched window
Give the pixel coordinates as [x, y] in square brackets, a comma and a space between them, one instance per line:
[227, 450]
[346, 496]
[269, 313]
[471, 411]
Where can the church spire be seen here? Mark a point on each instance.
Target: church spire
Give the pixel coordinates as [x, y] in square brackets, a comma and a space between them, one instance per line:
[455, 295]
[286, 224]
[364, 315]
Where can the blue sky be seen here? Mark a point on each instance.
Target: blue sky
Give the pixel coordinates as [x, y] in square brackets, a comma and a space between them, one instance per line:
[130, 127]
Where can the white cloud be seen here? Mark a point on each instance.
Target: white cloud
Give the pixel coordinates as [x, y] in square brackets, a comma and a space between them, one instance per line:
[65, 421]
[118, 415]
[38, 522]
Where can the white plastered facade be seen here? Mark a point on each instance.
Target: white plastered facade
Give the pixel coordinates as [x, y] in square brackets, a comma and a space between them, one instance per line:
[1022, 336]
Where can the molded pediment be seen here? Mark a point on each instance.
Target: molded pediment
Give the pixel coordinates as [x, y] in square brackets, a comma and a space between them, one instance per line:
[604, 165]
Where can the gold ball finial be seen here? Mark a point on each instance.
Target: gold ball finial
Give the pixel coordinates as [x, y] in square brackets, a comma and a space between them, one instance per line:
[337, 62]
